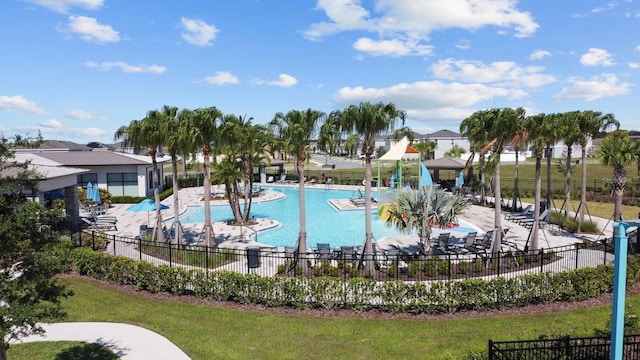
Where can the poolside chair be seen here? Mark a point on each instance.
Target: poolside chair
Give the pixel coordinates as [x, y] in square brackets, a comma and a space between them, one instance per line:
[323, 251]
[468, 245]
[348, 253]
[527, 211]
[528, 223]
[485, 243]
[442, 245]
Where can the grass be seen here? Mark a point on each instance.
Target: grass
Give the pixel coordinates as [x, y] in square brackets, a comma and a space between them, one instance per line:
[61, 350]
[207, 332]
[597, 209]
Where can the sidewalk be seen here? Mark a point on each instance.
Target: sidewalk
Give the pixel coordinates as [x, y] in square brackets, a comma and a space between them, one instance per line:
[129, 342]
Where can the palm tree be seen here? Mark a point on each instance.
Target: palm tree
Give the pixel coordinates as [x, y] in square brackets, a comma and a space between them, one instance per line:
[551, 134]
[368, 121]
[149, 133]
[570, 134]
[590, 124]
[420, 209]
[351, 144]
[518, 141]
[402, 132]
[535, 127]
[294, 132]
[176, 143]
[330, 135]
[475, 128]
[202, 129]
[425, 148]
[617, 151]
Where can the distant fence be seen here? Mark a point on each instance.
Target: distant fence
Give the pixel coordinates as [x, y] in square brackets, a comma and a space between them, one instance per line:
[588, 348]
[270, 261]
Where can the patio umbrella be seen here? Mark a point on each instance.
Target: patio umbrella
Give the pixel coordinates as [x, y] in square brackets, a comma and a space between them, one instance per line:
[147, 205]
[461, 179]
[95, 196]
[392, 182]
[425, 178]
[90, 191]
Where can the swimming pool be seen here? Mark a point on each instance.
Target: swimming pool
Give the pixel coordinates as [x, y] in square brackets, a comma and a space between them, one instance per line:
[324, 223]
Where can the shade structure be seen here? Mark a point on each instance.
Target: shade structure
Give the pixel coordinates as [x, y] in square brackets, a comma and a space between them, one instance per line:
[147, 205]
[425, 176]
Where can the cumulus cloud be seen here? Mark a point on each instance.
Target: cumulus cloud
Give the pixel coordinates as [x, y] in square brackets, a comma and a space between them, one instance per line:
[605, 85]
[394, 47]
[596, 57]
[51, 123]
[62, 6]
[90, 29]
[197, 32]
[80, 114]
[221, 78]
[415, 20]
[464, 44]
[499, 72]
[284, 80]
[633, 65]
[19, 103]
[67, 132]
[127, 68]
[539, 54]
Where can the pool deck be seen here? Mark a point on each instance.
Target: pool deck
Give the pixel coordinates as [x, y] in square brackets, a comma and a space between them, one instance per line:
[242, 237]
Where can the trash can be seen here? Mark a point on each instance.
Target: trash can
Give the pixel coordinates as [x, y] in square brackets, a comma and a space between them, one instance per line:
[253, 258]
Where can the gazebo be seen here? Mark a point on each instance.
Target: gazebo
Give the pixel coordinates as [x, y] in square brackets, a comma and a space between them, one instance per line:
[447, 163]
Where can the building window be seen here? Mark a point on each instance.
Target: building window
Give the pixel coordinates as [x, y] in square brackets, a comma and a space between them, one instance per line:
[84, 179]
[122, 184]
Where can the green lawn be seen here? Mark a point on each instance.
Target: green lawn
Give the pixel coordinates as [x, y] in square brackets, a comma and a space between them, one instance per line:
[207, 332]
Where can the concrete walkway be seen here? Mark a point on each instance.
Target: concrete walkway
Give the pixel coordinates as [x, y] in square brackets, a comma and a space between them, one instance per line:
[129, 342]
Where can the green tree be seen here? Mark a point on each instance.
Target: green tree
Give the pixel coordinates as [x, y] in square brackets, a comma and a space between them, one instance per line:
[425, 148]
[177, 142]
[330, 136]
[351, 144]
[294, 132]
[29, 291]
[517, 142]
[590, 124]
[474, 127]
[202, 129]
[617, 151]
[419, 210]
[455, 152]
[569, 132]
[368, 121]
[149, 133]
[402, 132]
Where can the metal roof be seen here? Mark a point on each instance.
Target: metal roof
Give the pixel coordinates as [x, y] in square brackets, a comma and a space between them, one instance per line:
[97, 158]
[446, 163]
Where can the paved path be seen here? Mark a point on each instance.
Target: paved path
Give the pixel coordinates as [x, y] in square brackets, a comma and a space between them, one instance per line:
[129, 342]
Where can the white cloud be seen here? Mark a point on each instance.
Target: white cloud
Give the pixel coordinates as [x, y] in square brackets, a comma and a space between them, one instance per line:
[633, 65]
[19, 103]
[80, 114]
[51, 123]
[605, 85]
[410, 20]
[539, 54]
[464, 44]
[62, 6]
[127, 68]
[595, 57]
[499, 72]
[67, 132]
[90, 30]
[394, 47]
[222, 78]
[198, 32]
[284, 80]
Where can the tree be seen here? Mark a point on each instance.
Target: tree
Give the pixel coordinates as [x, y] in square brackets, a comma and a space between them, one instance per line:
[536, 126]
[570, 134]
[202, 129]
[149, 133]
[330, 136]
[455, 152]
[403, 132]
[518, 141]
[368, 121]
[294, 132]
[29, 292]
[475, 128]
[590, 124]
[421, 209]
[177, 143]
[617, 151]
[426, 148]
[351, 144]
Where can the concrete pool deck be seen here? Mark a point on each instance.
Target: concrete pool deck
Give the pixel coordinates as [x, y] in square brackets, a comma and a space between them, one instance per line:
[241, 237]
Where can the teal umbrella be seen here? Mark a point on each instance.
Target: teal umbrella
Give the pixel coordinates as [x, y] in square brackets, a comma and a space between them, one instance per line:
[147, 205]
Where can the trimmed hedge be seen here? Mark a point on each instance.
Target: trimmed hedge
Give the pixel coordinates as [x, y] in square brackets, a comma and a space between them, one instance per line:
[356, 294]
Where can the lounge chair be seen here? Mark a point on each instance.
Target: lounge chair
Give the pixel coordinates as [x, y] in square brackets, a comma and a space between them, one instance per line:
[443, 243]
[527, 211]
[323, 251]
[348, 253]
[486, 242]
[468, 245]
[528, 223]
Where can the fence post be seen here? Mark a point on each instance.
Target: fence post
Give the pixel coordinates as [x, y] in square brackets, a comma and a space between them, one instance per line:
[490, 349]
[140, 247]
[114, 245]
[541, 253]
[170, 254]
[449, 264]
[206, 259]
[604, 256]
[498, 253]
[577, 246]
[93, 240]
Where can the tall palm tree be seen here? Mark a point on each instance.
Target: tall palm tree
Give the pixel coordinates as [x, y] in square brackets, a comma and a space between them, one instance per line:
[330, 135]
[402, 132]
[617, 151]
[294, 131]
[475, 128]
[176, 143]
[535, 126]
[590, 124]
[202, 129]
[149, 133]
[420, 209]
[517, 142]
[351, 144]
[551, 134]
[368, 121]
[570, 134]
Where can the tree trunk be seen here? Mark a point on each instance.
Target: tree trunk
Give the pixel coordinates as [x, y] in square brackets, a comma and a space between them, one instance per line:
[176, 204]
[302, 236]
[156, 196]
[567, 183]
[208, 228]
[548, 155]
[367, 251]
[619, 181]
[533, 248]
[498, 211]
[483, 190]
[516, 192]
[583, 188]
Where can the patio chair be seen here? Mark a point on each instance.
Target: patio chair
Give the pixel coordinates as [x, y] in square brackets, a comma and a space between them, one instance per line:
[528, 223]
[323, 251]
[485, 243]
[442, 246]
[468, 245]
[526, 212]
[348, 253]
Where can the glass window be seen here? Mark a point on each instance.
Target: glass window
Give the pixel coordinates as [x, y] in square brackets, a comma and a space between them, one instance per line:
[122, 184]
[84, 179]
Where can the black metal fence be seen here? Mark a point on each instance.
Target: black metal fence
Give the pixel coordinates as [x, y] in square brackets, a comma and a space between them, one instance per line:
[348, 262]
[589, 348]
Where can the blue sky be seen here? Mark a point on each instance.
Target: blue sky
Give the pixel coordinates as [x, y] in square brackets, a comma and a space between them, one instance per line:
[79, 69]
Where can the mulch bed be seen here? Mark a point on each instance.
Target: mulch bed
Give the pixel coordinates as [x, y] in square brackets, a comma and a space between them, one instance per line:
[558, 306]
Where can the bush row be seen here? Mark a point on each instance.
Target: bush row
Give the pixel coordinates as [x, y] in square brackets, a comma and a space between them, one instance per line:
[356, 294]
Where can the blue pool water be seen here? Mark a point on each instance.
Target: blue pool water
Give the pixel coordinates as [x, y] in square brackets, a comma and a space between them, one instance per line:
[324, 223]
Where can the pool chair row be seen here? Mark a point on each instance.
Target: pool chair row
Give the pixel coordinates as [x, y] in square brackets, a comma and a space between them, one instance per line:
[100, 222]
